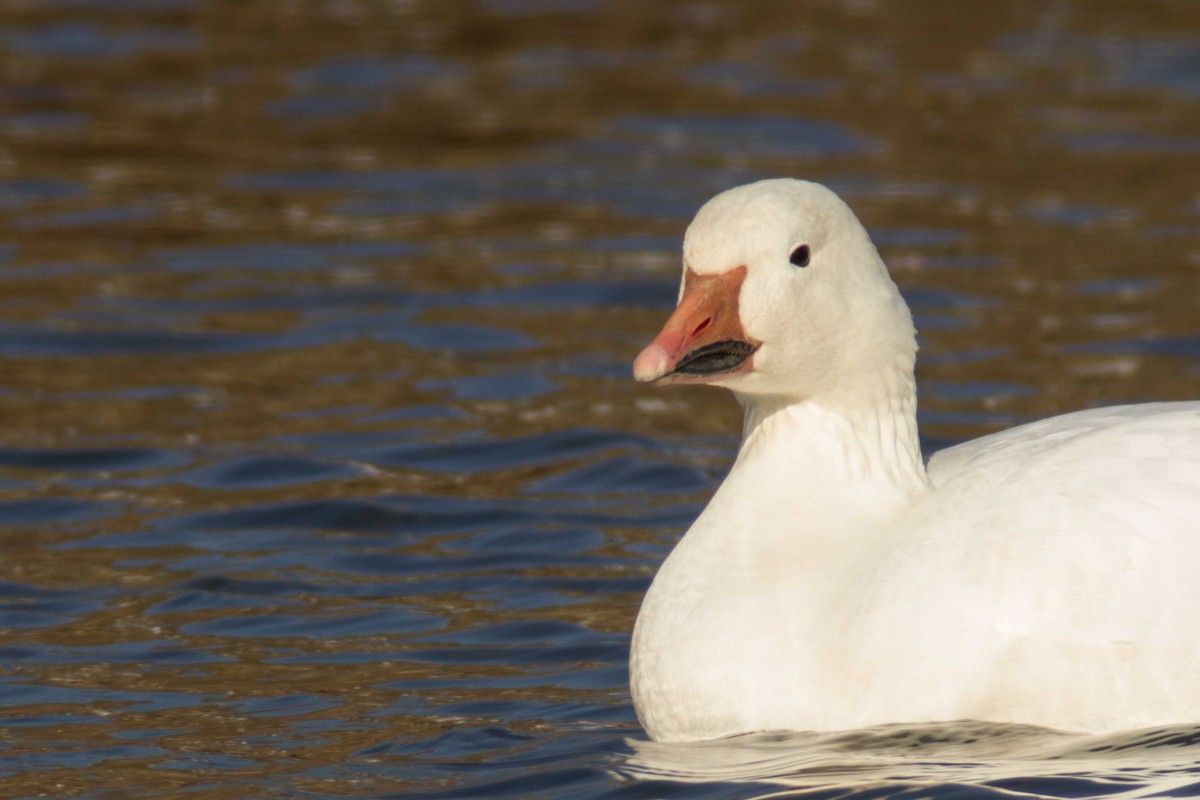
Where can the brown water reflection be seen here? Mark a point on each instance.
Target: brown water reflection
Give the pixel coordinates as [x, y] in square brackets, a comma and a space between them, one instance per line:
[321, 468]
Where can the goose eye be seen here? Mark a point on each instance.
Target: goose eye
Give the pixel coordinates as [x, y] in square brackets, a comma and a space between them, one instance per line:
[799, 256]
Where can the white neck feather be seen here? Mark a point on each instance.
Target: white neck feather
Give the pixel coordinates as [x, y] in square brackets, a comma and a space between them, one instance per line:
[834, 460]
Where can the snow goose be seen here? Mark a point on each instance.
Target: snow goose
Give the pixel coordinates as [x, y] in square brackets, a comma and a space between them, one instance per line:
[1048, 574]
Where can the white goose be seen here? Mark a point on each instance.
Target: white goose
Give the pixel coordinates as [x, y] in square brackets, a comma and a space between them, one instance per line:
[1048, 574]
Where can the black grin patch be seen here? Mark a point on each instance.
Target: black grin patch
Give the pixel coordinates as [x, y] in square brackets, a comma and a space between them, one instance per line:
[714, 358]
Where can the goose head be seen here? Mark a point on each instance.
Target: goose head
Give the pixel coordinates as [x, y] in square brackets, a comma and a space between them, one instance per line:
[783, 295]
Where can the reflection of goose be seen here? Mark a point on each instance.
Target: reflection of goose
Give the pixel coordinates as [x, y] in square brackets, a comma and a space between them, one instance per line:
[1049, 574]
[955, 759]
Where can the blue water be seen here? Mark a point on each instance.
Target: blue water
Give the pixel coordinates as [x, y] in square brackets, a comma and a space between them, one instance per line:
[322, 472]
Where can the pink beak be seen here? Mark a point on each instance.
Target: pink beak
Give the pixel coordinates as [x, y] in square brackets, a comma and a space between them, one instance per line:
[703, 341]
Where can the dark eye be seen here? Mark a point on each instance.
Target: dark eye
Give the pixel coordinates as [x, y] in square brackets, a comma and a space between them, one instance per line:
[799, 256]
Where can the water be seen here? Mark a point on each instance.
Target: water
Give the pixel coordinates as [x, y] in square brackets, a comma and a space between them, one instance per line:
[322, 473]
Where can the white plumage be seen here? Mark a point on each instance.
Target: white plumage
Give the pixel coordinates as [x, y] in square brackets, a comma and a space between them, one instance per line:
[1048, 574]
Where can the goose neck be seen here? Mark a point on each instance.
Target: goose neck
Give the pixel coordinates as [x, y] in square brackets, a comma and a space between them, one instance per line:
[865, 452]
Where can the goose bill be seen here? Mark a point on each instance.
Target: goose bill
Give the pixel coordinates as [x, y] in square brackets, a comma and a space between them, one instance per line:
[703, 341]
